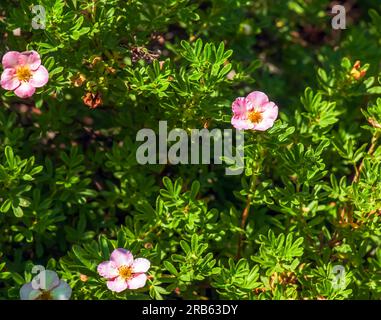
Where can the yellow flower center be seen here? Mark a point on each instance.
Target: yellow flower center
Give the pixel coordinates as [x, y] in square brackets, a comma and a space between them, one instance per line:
[254, 116]
[125, 272]
[23, 73]
[45, 295]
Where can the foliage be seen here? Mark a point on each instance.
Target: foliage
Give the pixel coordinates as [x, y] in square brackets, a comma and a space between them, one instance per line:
[71, 189]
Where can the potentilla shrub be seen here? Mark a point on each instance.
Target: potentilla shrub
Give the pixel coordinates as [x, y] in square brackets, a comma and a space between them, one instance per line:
[297, 218]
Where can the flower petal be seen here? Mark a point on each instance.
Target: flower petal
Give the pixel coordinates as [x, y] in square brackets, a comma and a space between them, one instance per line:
[9, 79]
[270, 111]
[28, 293]
[46, 280]
[258, 98]
[241, 124]
[240, 107]
[117, 285]
[39, 77]
[25, 90]
[140, 265]
[122, 257]
[61, 292]
[263, 125]
[31, 58]
[11, 59]
[137, 281]
[108, 269]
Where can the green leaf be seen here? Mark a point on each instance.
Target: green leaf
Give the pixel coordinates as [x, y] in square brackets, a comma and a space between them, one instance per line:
[184, 245]
[6, 205]
[9, 156]
[18, 212]
[170, 267]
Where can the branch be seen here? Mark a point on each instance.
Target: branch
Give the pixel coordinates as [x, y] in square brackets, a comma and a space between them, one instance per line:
[245, 213]
[370, 153]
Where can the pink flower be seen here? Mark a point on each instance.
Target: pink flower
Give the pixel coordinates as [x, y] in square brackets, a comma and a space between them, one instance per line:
[45, 286]
[123, 271]
[254, 112]
[23, 73]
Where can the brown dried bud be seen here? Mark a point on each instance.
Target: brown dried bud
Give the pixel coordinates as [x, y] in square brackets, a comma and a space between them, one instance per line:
[374, 123]
[36, 111]
[259, 290]
[17, 32]
[92, 100]
[78, 80]
[96, 60]
[83, 277]
[356, 71]
[141, 53]
[148, 245]
[111, 70]
[231, 75]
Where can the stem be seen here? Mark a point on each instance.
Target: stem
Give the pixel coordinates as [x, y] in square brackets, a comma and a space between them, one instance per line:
[370, 153]
[257, 167]
[245, 212]
[152, 229]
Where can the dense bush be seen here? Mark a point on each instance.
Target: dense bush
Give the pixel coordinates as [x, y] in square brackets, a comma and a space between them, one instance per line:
[309, 199]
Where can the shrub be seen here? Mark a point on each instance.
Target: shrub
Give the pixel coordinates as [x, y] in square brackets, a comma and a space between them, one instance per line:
[304, 213]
